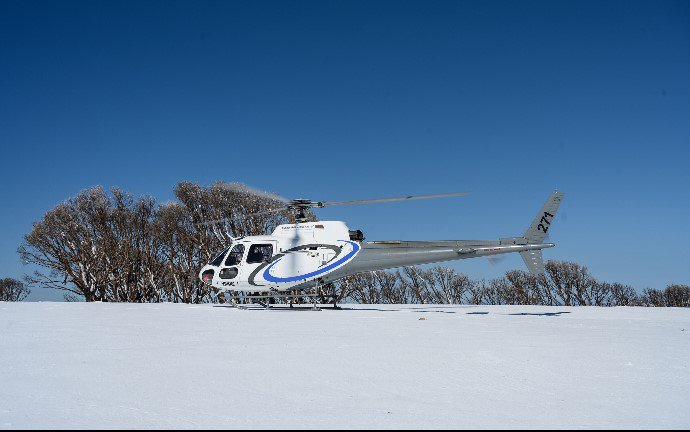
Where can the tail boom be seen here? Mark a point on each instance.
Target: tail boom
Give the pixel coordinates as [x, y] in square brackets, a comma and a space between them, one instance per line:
[382, 255]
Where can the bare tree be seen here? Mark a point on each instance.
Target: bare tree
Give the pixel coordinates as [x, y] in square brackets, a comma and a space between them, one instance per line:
[447, 286]
[96, 245]
[67, 245]
[653, 298]
[393, 291]
[531, 289]
[362, 288]
[677, 296]
[12, 290]
[416, 282]
[112, 247]
[133, 267]
[674, 295]
[570, 284]
[477, 294]
[497, 292]
[616, 294]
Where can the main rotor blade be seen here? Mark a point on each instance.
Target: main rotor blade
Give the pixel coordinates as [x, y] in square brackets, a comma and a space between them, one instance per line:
[404, 198]
[243, 188]
[215, 221]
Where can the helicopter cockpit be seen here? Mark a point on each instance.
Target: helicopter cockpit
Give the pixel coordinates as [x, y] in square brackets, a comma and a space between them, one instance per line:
[230, 265]
[240, 258]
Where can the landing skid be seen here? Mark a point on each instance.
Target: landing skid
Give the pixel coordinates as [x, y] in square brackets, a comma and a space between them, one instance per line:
[241, 300]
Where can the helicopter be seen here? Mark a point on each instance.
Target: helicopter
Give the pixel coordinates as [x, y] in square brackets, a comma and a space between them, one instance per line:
[309, 254]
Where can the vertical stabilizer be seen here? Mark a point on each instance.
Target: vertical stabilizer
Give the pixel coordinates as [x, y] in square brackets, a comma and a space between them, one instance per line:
[542, 222]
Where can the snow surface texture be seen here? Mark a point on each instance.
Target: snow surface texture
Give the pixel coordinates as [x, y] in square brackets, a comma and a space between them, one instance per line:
[77, 365]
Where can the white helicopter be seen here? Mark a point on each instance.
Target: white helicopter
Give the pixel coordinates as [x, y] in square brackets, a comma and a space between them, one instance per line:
[304, 255]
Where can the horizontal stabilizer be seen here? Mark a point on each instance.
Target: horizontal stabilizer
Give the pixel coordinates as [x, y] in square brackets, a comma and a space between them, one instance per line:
[534, 261]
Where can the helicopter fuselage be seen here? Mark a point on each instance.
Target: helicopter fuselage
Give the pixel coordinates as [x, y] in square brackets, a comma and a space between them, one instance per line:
[292, 256]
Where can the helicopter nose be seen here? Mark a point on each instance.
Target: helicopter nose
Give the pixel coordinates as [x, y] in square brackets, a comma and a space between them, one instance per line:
[207, 276]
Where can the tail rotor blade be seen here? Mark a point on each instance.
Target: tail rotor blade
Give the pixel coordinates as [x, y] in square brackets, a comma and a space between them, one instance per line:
[496, 259]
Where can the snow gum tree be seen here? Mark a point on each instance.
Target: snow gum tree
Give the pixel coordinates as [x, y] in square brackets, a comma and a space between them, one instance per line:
[112, 247]
[677, 295]
[96, 245]
[12, 290]
[563, 284]
[674, 295]
[412, 285]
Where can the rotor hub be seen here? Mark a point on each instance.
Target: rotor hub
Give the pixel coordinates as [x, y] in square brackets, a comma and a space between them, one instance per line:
[302, 203]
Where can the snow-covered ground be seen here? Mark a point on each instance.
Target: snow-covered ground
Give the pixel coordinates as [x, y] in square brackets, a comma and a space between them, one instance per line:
[77, 365]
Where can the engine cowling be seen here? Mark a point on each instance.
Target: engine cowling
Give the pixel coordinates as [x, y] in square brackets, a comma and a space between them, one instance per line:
[357, 235]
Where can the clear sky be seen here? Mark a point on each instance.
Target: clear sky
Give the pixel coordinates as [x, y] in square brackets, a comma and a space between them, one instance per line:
[338, 100]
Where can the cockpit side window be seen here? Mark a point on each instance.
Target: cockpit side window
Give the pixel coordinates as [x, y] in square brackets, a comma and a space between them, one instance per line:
[259, 253]
[219, 259]
[235, 255]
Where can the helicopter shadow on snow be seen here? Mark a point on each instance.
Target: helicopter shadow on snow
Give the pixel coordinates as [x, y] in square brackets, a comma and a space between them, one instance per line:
[444, 309]
[276, 308]
[540, 313]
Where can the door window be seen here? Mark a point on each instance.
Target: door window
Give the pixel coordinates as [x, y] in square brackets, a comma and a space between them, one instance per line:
[259, 253]
[228, 273]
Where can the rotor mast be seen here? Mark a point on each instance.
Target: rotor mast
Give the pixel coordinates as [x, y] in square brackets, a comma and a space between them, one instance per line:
[300, 207]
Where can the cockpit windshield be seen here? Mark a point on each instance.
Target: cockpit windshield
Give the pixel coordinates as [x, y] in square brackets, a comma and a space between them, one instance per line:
[235, 256]
[219, 259]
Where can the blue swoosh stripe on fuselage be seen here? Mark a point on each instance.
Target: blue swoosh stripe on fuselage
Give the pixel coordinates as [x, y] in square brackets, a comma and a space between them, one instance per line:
[270, 278]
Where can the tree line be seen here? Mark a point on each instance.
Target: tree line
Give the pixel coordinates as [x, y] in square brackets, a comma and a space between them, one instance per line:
[109, 246]
[562, 284]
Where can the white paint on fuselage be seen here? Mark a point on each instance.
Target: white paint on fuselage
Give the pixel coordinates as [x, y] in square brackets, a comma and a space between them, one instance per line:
[293, 264]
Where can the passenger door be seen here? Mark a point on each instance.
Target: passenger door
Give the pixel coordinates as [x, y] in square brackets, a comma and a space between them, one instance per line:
[259, 253]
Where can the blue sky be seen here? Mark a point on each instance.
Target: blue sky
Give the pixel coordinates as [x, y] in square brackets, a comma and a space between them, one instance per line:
[348, 100]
